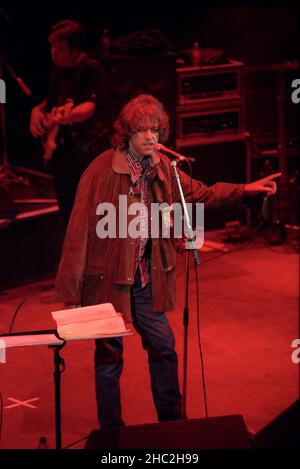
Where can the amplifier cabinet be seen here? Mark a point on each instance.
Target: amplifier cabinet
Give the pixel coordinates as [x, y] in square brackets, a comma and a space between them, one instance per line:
[212, 83]
[209, 121]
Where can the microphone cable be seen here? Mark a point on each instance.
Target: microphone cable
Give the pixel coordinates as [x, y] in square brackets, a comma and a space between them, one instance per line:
[23, 301]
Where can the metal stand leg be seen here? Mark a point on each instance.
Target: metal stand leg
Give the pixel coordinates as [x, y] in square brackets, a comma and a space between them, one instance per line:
[185, 336]
[59, 367]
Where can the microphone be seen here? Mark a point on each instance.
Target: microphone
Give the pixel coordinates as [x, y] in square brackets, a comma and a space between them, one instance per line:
[171, 153]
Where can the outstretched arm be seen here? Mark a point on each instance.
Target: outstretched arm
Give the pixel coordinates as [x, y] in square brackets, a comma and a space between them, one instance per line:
[223, 195]
[266, 185]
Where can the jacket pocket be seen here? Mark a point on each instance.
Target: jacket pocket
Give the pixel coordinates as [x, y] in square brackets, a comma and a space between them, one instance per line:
[93, 289]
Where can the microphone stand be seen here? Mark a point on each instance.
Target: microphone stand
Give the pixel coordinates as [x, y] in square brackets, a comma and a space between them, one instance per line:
[190, 244]
[6, 175]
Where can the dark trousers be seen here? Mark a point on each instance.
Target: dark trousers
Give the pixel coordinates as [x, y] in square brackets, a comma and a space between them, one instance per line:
[158, 340]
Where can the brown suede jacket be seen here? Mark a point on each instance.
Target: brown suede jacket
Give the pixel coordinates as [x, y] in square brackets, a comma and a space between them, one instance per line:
[94, 270]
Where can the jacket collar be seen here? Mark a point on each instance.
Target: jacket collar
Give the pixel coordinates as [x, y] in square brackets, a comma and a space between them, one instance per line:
[120, 163]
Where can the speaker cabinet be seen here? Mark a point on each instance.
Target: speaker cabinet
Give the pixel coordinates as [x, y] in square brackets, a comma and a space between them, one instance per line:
[283, 432]
[226, 432]
[221, 160]
[129, 76]
[261, 103]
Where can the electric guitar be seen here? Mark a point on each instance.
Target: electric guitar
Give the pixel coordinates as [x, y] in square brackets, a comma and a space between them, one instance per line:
[53, 120]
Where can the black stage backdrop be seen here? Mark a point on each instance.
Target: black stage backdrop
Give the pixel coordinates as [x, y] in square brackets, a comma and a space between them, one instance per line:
[255, 35]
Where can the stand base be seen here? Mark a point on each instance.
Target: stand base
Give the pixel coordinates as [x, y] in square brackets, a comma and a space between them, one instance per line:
[8, 177]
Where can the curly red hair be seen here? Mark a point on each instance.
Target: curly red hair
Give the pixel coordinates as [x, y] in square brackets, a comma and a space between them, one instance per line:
[143, 110]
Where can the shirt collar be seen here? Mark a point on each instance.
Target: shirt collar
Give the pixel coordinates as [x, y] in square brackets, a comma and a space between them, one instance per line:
[139, 167]
[120, 163]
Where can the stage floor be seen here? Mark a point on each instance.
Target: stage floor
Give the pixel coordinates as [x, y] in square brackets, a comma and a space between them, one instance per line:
[249, 318]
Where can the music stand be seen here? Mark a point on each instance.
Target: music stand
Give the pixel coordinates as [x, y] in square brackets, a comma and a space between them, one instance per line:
[50, 338]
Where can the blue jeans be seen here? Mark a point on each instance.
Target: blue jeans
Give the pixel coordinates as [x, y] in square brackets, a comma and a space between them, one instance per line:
[158, 340]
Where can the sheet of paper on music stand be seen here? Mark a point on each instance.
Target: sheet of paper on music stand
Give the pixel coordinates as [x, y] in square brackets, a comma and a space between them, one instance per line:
[29, 340]
[89, 322]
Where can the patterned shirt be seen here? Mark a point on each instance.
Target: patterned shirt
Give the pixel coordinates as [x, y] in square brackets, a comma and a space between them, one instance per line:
[140, 171]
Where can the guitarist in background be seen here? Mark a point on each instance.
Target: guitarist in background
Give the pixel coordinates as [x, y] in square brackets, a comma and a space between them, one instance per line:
[71, 120]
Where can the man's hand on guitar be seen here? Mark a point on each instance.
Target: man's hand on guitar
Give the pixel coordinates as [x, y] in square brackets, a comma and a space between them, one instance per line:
[38, 122]
[61, 115]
